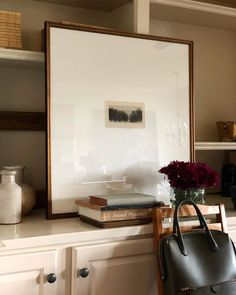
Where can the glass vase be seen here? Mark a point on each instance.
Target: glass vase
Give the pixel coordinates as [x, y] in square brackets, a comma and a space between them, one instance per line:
[196, 195]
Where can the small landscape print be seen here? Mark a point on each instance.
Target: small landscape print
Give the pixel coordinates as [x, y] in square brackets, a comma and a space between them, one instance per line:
[120, 114]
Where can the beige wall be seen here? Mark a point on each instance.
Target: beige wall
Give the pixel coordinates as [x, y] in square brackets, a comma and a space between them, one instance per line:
[24, 89]
[214, 80]
[214, 73]
[121, 18]
[35, 13]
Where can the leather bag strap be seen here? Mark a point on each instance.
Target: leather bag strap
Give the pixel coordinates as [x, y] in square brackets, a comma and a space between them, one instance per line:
[176, 214]
[176, 227]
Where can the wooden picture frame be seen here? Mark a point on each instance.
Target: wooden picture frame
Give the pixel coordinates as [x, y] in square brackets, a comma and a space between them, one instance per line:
[88, 68]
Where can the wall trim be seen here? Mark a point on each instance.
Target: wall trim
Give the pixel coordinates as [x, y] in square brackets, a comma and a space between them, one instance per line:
[201, 6]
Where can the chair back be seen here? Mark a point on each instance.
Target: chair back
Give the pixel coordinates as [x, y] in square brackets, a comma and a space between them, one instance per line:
[163, 224]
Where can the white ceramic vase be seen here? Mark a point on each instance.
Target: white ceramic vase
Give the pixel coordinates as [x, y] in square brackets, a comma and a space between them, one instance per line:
[28, 194]
[10, 198]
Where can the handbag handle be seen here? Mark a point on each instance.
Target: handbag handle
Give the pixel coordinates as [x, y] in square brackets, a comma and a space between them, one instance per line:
[176, 227]
[176, 214]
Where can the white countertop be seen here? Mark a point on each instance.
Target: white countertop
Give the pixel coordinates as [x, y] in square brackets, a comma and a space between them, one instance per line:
[36, 230]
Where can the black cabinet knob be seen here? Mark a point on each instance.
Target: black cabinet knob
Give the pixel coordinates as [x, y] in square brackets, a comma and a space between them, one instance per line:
[84, 272]
[51, 278]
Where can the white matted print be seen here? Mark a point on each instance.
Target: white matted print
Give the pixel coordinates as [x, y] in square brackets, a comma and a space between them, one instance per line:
[87, 67]
[123, 114]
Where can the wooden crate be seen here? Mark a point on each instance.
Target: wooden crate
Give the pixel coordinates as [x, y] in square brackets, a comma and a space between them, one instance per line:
[10, 29]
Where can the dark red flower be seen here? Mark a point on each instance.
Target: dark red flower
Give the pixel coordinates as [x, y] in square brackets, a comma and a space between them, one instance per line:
[185, 175]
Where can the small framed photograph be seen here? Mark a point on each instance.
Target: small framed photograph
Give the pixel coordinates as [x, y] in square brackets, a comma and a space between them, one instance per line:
[122, 114]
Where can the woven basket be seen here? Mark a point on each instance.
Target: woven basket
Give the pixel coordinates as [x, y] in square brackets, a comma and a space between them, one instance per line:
[10, 29]
[226, 130]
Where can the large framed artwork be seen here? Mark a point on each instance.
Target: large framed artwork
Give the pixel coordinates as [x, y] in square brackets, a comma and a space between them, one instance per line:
[119, 106]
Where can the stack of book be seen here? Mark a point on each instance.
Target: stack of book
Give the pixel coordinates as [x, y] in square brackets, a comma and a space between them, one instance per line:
[117, 210]
[10, 29]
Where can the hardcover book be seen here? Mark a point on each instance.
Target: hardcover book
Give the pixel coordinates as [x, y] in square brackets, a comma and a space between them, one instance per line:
[112, 224]
[122, 199]
[88, 204]
[115, 215]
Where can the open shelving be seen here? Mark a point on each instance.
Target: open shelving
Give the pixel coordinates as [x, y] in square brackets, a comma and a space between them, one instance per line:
[21, 58]
[215, 146]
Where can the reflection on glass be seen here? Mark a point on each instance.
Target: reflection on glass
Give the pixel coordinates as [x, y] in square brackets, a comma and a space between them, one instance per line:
[178, 133]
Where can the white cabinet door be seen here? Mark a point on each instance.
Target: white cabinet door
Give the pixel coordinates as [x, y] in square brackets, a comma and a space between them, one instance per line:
[119, 268]
[26, 274]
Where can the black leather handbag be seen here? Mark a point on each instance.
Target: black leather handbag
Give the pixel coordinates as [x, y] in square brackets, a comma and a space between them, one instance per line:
[199, 262]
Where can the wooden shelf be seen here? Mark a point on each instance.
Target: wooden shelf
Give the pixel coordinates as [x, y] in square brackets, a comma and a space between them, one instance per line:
[21, 58]
[215, 146]
[31, 121]
[229, 3]
[194, 13]
[101, 5]
[205, 6]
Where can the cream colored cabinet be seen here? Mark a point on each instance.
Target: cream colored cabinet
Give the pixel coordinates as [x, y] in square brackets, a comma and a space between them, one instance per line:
[86, 260]
[117, 268]
[28, 274]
